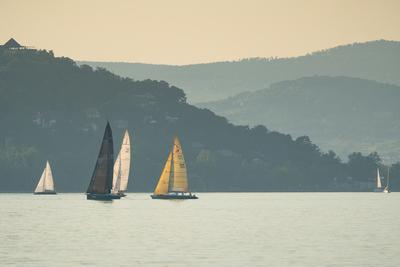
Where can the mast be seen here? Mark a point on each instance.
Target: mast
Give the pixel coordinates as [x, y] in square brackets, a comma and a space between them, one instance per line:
[45, 177]
[101, 181]
[387, 182]
[180, 180]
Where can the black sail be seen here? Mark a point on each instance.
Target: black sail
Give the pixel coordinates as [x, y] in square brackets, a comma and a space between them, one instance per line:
[101, 182]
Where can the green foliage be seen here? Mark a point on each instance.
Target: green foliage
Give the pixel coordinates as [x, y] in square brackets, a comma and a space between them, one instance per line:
[338, 113]
[361, 166]
[394, 176]
[52, 109]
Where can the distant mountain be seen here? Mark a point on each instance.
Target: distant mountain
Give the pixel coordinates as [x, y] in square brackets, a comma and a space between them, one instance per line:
[52, 109]
[339, 113]
[375, 60]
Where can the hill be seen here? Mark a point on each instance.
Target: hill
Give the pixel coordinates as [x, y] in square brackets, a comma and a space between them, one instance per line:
[339, 113]
[51, 108]
[375, 60]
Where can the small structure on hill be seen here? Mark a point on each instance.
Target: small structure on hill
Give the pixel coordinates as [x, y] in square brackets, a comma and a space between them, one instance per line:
[12, 44]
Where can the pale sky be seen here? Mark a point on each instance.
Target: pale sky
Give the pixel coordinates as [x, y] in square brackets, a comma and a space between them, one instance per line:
[188, 31]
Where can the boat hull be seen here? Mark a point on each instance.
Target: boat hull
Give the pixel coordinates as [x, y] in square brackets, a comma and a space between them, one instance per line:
[102, 196]
[121, 194]
[382, 190]
[170, 196]
[46, 193]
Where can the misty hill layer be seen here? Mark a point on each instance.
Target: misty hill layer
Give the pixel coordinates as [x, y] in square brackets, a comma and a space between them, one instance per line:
[52, 109]
[340, 113]
[375, 60]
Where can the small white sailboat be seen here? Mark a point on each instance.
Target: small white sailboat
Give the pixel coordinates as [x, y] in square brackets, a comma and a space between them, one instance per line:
[173, 182]
[46, 182]
[387, 188]
[122, 167]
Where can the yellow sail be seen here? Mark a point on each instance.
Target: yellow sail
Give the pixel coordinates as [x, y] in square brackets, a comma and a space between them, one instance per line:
[163, 182]
[179, 182]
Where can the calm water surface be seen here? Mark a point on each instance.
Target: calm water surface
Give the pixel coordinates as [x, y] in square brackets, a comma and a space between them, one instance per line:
[219, 229]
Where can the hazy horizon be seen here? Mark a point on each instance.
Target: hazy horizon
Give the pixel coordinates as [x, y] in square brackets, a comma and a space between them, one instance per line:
[233, 59]
[180, 32]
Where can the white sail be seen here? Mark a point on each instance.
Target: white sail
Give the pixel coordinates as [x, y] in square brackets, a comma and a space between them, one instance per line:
[40, 185]
[46, 182]
[122, 166]
[49, 183]
[117, 176]
[378, 180]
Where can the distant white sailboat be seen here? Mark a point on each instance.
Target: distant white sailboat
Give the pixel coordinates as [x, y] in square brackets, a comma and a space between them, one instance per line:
[387, 189]
[122, 167]
[46, 182]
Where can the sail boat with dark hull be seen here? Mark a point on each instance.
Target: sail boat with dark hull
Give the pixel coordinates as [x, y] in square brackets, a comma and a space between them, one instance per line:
[101, 183]
[173, 182]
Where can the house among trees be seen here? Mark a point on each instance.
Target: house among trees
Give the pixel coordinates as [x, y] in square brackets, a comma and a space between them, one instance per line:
[12, 44]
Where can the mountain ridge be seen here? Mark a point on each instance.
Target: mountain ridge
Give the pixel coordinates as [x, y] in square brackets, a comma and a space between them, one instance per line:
[347, 108]
[261, 59]
[375, 60]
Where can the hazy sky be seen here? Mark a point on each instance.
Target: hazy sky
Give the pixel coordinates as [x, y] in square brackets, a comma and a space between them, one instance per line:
[186, 31]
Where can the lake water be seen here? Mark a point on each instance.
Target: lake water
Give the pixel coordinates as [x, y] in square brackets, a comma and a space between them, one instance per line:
[219, 229]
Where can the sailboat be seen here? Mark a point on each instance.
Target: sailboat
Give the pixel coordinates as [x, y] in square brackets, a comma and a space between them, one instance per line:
[122, 166]
[387, 189]
[101, 182]
[46, 182]
[173, 182]
[378, 182]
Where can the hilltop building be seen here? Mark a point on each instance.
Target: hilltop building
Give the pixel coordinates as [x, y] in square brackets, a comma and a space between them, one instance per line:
[12, 44]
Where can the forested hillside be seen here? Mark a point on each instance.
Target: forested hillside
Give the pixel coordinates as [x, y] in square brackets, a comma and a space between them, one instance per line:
[52, 109]
[338, 113]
